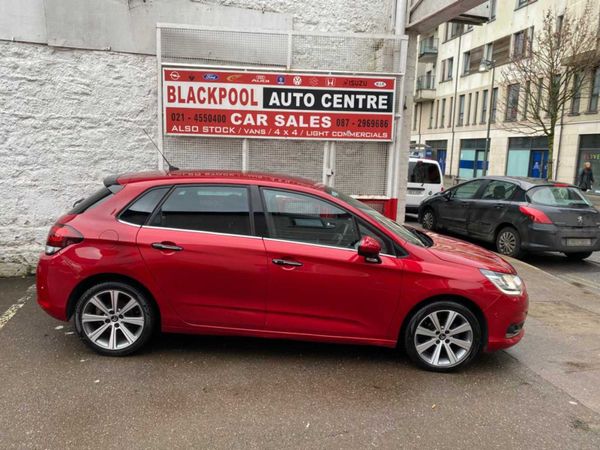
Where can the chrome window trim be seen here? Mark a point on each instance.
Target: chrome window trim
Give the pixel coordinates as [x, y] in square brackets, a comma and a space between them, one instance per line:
[322, 246]
[152, 227]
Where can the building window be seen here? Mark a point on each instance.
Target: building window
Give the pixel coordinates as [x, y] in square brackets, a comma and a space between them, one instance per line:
[512, 102]
[527, 157]
[447, 69]
[468, 113]
[466, 63]
[443, 118]
[415, 116]
[488, 52]
[518, 45]
[454, 30]
[492, 9]
[484, 106]
[539, 98]
[451, 112]
[527, 95]
[437, 112]
[461, 111]
[475, 107]
[521, 3]
[494, 104]
[430, 126]
[595, 91]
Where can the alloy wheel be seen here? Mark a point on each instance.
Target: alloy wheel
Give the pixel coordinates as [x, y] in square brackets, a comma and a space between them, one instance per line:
[507, 243]
[428, 220]
[443, 338]
[112, 319]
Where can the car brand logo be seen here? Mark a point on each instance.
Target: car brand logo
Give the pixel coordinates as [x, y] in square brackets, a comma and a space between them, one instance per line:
[175, 76]
[580, 220]
[380, 84]
[280, 79]
[297, 81]
[260, 79]
[314, 81]
[233, 77]
[330, 81]
[211, 76]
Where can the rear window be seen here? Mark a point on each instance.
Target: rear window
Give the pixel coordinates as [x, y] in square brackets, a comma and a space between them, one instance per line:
[98, 197]
[557, 196]
[140, 210]
[423, 172]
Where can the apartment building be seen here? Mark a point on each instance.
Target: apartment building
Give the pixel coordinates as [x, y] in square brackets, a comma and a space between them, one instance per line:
[455, 99]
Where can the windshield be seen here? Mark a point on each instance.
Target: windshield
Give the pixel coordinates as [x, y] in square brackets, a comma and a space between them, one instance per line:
[423, 172]
[564, 196]
[397, 229]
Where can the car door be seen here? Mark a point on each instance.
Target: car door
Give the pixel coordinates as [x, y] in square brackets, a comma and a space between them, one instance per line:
[454, 211]
[318, 284]
[489, 209]
[200, 248]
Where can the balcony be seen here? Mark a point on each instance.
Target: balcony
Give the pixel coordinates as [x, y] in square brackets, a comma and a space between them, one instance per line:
[425, 90]
[428, 50]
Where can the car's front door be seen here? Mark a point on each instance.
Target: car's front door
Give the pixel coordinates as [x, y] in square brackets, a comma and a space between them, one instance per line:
[490, 208]
[200, 248]
[318, 284]
[454, 211]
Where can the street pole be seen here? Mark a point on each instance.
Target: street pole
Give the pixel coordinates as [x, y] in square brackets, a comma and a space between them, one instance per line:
[489, 124]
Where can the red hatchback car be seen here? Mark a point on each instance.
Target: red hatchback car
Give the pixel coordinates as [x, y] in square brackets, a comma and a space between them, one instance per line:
[253, 254]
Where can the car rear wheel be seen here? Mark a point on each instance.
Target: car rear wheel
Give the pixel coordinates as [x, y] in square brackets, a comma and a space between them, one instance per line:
[508, 242]
[114, 318]
[578, 256]
[428, 220]
[443, 336]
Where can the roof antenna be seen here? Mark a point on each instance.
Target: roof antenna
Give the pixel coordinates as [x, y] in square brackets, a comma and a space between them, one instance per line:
[170, 166]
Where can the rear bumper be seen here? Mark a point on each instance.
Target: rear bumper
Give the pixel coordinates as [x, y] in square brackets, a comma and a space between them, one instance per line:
[54, 285]
[544, 238]
[505, 316]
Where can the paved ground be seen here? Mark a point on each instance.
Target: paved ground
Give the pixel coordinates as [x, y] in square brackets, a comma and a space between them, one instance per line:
[187, 391]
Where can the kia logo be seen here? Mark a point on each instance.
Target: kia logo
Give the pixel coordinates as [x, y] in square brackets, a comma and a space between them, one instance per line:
[380, 84]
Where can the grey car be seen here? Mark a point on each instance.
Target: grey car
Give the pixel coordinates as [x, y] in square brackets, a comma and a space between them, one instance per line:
[518, 215]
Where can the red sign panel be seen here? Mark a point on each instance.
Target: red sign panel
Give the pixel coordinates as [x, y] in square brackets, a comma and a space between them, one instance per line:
[278, 105]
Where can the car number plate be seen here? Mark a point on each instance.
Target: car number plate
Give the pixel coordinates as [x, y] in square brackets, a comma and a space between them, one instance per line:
[415, 191]
[578, 242]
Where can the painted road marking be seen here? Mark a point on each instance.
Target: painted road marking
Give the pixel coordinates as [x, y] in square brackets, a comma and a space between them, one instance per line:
[10, 312]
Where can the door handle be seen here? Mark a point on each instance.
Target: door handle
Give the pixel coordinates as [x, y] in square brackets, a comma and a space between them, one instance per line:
[166, 246]
[285, 262]
[498, 206]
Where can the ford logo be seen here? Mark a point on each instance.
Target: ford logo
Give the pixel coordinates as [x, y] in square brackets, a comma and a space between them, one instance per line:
[380, 83]
[211, 76]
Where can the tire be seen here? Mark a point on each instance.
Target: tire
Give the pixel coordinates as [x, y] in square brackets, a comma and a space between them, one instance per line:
[429, 220]
[422, 343]
[508, 242]
[122, 334]
[578, 256]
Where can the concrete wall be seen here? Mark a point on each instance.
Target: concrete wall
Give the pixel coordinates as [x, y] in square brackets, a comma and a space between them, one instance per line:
[70, 117]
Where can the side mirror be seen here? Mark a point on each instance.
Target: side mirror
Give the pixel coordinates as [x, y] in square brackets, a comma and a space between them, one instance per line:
[447, 195]
[370, 249]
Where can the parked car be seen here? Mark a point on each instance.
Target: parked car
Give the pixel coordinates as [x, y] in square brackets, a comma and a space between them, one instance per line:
[232, 253]
[518, 215]
[424, 179]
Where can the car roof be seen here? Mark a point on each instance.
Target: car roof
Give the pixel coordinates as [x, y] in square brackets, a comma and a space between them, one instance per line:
[212, 175]
[426, 160]
[524, 183]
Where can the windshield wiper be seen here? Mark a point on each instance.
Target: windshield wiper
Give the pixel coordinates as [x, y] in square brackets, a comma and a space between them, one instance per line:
[426, 240]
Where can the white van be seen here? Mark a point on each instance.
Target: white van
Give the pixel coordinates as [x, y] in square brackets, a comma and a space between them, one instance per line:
[424, 179]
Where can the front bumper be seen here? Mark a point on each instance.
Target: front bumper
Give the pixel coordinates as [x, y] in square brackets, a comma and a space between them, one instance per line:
[505, 319]
[552, 238]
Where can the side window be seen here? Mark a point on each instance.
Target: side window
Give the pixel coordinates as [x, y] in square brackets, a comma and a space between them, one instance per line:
[499, 190]
[467, 190]
[303, 218]
[217, 209]
[140, 210]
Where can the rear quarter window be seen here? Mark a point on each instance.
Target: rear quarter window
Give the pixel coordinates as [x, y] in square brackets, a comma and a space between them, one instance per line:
[141, 209]
[97, 198]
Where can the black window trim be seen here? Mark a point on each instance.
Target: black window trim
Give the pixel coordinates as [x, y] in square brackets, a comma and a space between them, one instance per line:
[355, 218]
[175, 186]
[128, 205]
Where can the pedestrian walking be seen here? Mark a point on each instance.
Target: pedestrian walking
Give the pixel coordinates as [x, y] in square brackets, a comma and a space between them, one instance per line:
[586, 177]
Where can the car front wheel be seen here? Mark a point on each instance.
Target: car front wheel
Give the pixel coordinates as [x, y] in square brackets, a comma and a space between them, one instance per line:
[428, 220]
[443, 336]
[114, 318]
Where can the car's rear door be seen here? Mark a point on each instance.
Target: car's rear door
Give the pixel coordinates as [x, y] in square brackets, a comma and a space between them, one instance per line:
[318, 284]
[200, 247]
[454, 211]
[490, 209]
[424, 179]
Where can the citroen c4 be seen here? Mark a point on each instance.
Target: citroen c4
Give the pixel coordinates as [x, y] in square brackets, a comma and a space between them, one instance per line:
[249, 254]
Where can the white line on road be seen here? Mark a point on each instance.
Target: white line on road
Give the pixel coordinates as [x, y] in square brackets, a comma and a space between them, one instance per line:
[10, 312]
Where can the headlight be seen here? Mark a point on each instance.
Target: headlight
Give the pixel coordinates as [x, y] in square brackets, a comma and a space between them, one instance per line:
[507, 283]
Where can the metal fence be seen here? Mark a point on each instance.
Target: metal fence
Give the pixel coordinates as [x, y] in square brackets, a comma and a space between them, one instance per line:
[357, 167]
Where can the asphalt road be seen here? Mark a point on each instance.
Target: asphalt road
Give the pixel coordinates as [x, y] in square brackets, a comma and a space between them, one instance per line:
[198, 392]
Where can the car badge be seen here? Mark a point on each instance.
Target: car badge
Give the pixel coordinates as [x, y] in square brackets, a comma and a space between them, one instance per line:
[580, 220]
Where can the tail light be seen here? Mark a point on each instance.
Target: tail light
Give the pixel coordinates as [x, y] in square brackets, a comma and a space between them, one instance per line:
[442, 189]
[535, 215]
[62, 235]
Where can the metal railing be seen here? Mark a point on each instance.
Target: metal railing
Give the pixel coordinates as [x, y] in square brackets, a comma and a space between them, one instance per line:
[428, 46]
[425, 83]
